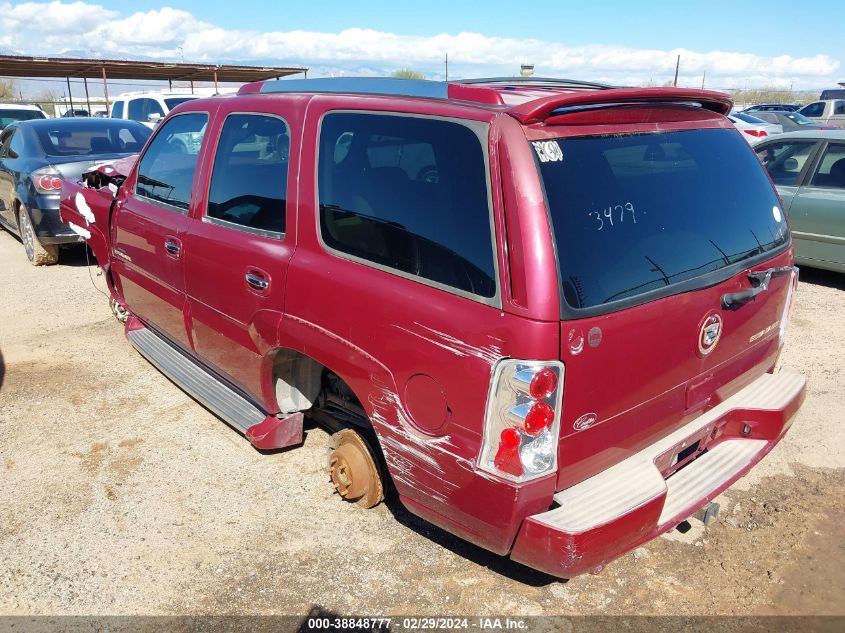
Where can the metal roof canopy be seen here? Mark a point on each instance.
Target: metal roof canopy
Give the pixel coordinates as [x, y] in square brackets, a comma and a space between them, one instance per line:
[15, 66]
[105, 69]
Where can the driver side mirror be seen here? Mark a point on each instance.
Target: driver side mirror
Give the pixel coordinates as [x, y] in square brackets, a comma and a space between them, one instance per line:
[790, 164]
[154, 117]
[12, 154]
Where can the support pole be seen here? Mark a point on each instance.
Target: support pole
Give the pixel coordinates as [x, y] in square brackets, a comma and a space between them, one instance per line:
[87, 97]
[106, 91]
[215, 81]
[69, 95]
[677, 66]
[192, 86]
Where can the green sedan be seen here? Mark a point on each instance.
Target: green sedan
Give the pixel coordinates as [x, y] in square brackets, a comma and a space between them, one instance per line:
[808, 169]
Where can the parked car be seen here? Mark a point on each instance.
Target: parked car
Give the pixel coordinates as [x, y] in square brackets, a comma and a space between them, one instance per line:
[11, 112]
[753, 128]
[828, 112]
[147, 107]
[35, 155]
[498, 313]
[773, 107]
[74, 113]
[808, 169]
[792, 121]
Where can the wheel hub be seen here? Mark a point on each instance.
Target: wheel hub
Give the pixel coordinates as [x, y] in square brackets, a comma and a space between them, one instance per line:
[353, 469]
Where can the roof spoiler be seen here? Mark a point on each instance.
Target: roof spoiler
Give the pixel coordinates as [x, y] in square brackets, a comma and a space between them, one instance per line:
[539, 110]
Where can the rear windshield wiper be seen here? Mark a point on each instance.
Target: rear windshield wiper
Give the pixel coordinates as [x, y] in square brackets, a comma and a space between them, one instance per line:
[733, 300]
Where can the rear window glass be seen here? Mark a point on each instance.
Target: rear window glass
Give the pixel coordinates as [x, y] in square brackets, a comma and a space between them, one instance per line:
[640, 214]
[84, 138]
[175, 101]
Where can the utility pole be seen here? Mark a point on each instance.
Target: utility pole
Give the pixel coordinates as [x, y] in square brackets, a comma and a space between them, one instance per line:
[447, 66]
[703, 77]
[677, 66]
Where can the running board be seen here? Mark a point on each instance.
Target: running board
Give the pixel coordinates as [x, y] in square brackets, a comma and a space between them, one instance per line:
[262, 430]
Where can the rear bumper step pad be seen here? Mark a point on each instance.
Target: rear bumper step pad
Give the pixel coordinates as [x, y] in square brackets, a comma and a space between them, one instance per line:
[604, 516]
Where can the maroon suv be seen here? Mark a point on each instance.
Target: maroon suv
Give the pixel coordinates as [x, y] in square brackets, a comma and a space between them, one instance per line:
[548, 313]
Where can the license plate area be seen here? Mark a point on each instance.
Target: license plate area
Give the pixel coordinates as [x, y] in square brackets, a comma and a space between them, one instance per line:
[672, 460]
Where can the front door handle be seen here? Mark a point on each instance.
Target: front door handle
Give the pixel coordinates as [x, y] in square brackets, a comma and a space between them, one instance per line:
[173, 247]
[257, 281]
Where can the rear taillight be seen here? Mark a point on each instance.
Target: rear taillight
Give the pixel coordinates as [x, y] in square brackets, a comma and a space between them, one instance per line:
[756, 133]
[46, 180]
[523, 419]
[788, 305]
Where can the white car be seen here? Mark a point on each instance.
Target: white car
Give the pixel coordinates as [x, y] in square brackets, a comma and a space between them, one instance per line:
[147, 107]
[753, 128]
[11, 112]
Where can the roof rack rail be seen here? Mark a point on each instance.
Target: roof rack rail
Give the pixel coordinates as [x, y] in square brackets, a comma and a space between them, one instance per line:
[378, 86]
[536, 82]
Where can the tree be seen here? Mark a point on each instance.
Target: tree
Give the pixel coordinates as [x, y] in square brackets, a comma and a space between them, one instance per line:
[407, 73]
[47, 101]
[8, 89]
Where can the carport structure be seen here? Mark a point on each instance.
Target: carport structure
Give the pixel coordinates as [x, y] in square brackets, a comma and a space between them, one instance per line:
[105, 69]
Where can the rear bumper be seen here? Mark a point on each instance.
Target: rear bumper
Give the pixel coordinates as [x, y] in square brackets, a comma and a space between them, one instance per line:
[607, 515]
[48, 226]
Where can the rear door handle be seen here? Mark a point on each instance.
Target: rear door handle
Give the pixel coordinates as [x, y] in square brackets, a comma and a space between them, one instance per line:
[173, 247]
[257, 280]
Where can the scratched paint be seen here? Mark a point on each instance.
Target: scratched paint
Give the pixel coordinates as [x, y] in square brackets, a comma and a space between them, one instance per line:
[84, 210]
[489, 353]
[79, 230]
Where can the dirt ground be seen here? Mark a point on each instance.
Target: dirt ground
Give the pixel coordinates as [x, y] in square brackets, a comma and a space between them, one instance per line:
[120, 495]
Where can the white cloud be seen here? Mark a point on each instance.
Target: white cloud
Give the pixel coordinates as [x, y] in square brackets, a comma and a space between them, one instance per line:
[166, 33]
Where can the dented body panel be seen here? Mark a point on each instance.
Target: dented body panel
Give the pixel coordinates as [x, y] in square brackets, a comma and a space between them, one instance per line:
[419, 358]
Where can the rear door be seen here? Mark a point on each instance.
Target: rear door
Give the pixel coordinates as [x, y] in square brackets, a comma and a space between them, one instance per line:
[150, 222]
[653, 229]
[818, 210]
[240, 241]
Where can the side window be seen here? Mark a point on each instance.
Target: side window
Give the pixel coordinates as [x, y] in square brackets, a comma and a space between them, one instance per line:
[784, 161]
[16, 147]
[831, 169]
[141, 109]
[839, 107]
[5, 141]
[249, 179]
[117, 110]
[166, 172]
[409, 194]
[814, 109]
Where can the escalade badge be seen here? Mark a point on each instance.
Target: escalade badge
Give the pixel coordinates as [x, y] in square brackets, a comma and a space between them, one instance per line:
[709, 335]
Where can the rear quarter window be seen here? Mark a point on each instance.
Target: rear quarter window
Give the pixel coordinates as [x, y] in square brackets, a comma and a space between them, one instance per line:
[410, 195]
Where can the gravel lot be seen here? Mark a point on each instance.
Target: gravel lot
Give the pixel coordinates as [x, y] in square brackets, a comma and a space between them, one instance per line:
[121, 495]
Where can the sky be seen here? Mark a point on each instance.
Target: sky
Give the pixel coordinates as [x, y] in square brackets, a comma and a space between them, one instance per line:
[726, 45]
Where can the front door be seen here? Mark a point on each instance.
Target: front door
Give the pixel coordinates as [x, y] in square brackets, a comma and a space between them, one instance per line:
[150, 222]
[239, 243]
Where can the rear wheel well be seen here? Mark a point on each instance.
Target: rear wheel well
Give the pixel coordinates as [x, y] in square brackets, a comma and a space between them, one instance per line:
[303, 384]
